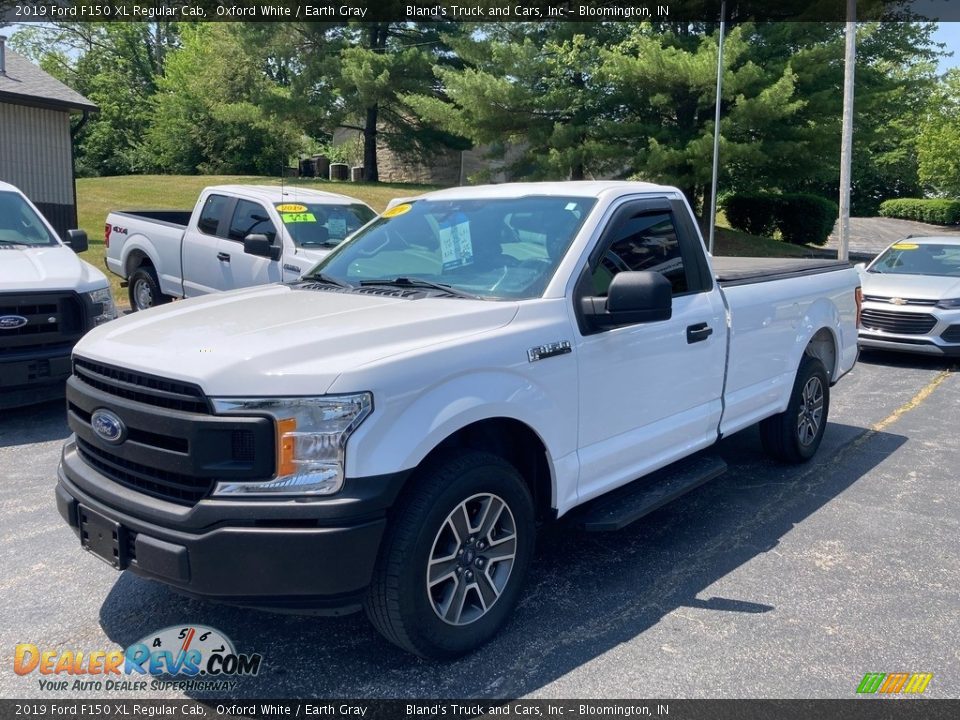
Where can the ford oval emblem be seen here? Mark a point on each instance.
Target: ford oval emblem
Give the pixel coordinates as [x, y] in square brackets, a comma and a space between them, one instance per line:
[12, 322]
[108, 426]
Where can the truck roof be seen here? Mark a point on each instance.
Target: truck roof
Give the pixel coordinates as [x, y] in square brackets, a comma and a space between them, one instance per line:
[289, 193]
[8, 186]
[578, 188]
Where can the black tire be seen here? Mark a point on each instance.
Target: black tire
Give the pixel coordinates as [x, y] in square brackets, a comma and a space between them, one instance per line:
[399, 603]
[794, 435]
[144, 289]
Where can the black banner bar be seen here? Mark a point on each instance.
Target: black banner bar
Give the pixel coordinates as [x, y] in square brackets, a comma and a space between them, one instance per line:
[873, 708]
[17, 11]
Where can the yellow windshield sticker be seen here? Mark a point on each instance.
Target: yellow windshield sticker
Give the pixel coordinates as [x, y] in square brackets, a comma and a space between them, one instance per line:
[290, 208]
[905, 246]
[300, 217]
[397, 210]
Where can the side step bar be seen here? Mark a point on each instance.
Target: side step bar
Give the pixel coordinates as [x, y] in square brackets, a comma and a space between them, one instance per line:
[631, 502]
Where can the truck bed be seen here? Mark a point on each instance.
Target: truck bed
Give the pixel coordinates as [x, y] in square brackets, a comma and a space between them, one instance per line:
[176, 218]
[732, 271]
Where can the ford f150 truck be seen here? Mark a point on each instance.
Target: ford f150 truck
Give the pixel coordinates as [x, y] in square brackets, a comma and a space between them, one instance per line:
[236, 236]
[48, 298]
[389, 431]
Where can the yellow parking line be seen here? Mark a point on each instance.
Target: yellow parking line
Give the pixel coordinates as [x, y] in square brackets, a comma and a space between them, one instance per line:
[924, 393]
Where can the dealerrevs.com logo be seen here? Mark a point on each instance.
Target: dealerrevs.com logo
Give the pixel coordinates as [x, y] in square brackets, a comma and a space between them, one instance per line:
[193, 657]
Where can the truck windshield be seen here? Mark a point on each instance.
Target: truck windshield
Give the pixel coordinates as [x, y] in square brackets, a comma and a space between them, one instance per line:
[492, 248]
[19, 224]
[321, 225]
[913, 258]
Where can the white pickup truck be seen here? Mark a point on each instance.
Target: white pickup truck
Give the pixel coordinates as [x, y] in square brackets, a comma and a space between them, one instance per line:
[48, 298]
[388, 432]
[236, 236]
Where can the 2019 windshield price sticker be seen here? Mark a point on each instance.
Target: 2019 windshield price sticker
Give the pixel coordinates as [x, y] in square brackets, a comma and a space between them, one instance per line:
[190, 658]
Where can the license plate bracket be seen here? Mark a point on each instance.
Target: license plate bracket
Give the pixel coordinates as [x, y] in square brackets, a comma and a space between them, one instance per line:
[103, 537]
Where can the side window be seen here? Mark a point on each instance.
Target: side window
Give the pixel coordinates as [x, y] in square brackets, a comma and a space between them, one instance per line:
[645, 241]
[250, 218]
[213, 210]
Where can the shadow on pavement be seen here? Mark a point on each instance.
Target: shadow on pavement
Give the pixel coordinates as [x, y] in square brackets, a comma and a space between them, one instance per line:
[912, 361]
[33, 424]
[587, 593]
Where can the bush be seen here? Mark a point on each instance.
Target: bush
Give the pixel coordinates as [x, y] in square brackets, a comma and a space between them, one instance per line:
[806, 219]
[801, 218]
[938, 212]
[754, 213]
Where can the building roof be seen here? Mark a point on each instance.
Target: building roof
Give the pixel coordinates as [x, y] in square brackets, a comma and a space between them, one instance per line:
[26, 84]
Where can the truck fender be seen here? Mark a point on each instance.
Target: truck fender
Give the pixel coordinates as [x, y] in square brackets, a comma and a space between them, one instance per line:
[818, 331]
[137, 246]
[408, 428]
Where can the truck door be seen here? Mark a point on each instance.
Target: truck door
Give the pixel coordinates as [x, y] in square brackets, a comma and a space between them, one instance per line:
[201, 269]
[649, 392]
[238, 269]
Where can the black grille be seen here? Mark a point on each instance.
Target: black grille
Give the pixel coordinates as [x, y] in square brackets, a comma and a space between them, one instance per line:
[147, 389]
[951, 334]
[901, 323]
[906, 301]
[51, 319]
[177, 487]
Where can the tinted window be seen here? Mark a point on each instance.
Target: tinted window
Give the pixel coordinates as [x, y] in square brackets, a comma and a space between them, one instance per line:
[317, 224]
[646, 241]
[490, 247]
[913, 258]
[250, 218]
[19, 224]
[213, 210]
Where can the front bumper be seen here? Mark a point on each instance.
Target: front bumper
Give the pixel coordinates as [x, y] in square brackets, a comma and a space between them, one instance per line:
[938, 335]
[288, 554]
[33, 376]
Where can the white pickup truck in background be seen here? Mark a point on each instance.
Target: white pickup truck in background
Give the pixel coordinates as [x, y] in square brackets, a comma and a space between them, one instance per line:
[388, 432]
[49, 298]
[236, 236]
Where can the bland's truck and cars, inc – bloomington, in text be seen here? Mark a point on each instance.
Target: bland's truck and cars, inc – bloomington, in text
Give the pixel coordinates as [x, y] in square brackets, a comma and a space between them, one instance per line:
[388, 431]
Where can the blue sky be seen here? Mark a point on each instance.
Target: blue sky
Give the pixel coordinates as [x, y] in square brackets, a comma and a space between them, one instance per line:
[949, 33]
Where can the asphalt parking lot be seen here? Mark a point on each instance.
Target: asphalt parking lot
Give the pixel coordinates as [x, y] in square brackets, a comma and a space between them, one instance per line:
[771, 581]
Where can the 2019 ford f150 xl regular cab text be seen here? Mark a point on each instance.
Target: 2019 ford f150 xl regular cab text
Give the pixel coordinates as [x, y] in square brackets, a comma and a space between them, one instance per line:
[48, 299]
[236, 236]
[389, 431]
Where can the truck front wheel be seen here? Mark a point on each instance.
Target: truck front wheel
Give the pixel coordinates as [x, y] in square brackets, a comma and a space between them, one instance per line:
[144, 289]
[794, 435]
[454, 557]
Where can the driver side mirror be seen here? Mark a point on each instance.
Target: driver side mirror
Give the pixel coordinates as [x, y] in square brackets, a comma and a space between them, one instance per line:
[260, 245]
[633, 297]
[77, 240]
[860, 267]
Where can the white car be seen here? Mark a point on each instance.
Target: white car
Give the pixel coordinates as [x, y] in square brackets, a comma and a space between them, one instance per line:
[236, 236]
[48, 299]
[911, 297]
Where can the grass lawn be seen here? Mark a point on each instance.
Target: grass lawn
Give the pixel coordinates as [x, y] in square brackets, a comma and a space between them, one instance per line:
[98, 196]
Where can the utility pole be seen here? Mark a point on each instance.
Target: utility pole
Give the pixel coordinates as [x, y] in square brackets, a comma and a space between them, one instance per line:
[716, 129]
[846, 144]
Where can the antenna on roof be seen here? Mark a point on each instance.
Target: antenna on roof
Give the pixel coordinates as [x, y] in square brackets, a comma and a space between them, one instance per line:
[282, 173]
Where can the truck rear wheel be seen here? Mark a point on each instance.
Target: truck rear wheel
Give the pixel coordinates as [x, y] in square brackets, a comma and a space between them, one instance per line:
[144, 289]
[454, 557]
[794, 435]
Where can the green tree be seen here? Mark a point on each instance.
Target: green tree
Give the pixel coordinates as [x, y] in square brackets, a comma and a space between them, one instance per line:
[938, 146]
[217, 111]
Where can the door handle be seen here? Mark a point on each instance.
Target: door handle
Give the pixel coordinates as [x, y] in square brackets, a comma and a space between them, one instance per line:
[698, 332]
[223, 257]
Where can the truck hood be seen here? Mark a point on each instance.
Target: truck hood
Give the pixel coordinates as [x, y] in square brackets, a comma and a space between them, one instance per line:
[920, 287]
[279, 340]
[54, 267]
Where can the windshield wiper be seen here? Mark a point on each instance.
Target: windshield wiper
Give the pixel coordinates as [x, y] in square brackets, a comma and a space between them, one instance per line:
[328, 279]
[418, 283]
[14, 242]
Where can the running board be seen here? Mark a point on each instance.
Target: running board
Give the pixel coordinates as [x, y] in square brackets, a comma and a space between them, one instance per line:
[631, 502]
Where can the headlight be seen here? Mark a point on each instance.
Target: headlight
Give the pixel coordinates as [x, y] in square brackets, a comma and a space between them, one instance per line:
[103, 308]
[951, 304]
[312, 434]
